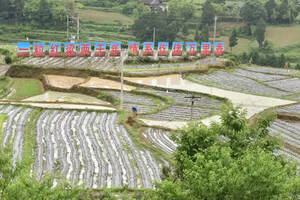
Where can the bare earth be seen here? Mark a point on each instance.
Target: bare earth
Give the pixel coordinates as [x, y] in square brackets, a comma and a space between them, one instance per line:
[65, 82]
[51, 96]
[105, 84]
[252, 103]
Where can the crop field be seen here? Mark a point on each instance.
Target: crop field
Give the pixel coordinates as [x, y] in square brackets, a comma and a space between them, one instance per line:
[109, 63]
[178, 113]
[292, 109]
[95, 63]
[144, 104]
[179, 98]
[292, 84]
[205, 61]
[89, 148]
[259, 76]
[180, 108]
[290, 133]
[270, 70]
[229, 81]
[13, 128]
[160, 139]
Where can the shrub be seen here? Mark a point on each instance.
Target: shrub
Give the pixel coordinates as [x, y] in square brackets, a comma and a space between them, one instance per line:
[8, 60]
[297, 66]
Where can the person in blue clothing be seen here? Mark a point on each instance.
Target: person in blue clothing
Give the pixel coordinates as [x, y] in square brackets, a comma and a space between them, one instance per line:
[134, 110]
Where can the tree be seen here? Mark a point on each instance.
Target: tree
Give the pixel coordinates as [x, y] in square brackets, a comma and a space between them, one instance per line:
[229, 160]
[271, 7]
[166, 27]
[208, 14]
[233, 40]
[260, 32]
[204, 36]
[297, 66]
[283, 12]
[197, 36]
[253, 11]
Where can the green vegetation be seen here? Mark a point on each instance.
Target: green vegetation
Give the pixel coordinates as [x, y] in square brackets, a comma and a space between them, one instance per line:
[102, 17]
[230, 160]
[2, 120]
[36, 12]
[23, 88]
[5, 84]
[108, 98]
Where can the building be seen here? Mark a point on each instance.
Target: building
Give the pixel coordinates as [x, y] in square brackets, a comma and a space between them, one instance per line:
[156, 4]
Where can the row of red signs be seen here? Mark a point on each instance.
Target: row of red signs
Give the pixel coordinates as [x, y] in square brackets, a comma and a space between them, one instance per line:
[85, 49]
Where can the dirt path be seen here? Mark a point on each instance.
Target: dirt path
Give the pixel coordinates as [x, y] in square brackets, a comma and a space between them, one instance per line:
[3, 70]
[67, 106]
[252, 103]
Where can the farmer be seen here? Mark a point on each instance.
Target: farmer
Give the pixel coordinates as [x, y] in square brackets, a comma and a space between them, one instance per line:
[134, 111]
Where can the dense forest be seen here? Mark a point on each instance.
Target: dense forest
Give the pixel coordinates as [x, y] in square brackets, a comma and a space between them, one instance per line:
[43, 13]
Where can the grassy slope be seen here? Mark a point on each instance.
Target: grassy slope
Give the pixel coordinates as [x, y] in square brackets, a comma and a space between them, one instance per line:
[102, 17]
[2, 119]
[25, 88]
[280, 36]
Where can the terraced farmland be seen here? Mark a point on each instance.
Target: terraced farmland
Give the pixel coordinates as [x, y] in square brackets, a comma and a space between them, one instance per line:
[144, 104]
[206, 61]
[238, 83]
[179, 98]
[270, 70]
[181, 106]
[85, 147]
[290, 133]
[292, 84]
[13, 129]
[292, 108]
[96, 63]
[161, 139]
[178, 113]
[258, 75]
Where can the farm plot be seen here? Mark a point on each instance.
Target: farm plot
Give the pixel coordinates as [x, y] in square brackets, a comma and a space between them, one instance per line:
[179, 98]
[92, 148]
[289, 131]
[144, 104]
[292, 84]
[206, 61]
[239, 83]
[100, 83]
[13, 129]
[270, 70]
[161, 139]
[178, 113]
[180, 108]
[292, 109]
[96, 63]
[65, 82]
[259, 76]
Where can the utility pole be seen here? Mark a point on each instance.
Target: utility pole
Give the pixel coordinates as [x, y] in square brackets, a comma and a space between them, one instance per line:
[78, 27]
[122, 81]
[193, 99]
[215, 32]
[154, 35]
[67, 27]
